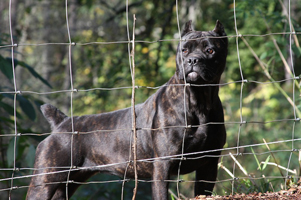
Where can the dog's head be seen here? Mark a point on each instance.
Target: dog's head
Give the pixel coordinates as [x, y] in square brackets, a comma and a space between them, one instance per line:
[201, 55]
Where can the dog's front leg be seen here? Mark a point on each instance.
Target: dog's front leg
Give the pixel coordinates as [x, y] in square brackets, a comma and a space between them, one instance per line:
[160, 177]
[205, 177]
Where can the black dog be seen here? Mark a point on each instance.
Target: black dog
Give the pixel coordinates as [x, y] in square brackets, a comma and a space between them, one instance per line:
[162, 127]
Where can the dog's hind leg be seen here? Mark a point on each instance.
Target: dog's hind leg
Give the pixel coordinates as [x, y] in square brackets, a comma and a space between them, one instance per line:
[75, 179]
[50, 170]
[52, 163]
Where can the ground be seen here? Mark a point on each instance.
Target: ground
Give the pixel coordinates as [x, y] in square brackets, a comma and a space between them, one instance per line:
[293, 192]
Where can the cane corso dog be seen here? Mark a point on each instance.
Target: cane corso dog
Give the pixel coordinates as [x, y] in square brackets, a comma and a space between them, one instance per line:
[184, 116]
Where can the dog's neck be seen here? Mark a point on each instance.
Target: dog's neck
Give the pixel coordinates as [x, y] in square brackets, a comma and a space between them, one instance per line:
[200, 96]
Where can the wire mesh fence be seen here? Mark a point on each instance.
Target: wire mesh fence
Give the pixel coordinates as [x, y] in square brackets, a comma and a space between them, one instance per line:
[280, 156]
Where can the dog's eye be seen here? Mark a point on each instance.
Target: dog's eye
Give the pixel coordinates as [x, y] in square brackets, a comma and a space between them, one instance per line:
[185, 50]
[210, 51]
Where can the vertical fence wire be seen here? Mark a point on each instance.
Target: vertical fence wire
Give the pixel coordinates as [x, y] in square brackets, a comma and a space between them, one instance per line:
[241, 90]
[287, 178]
[71, 100]
[134, 130]
[131, 70]
[15, 97]
[184, 100]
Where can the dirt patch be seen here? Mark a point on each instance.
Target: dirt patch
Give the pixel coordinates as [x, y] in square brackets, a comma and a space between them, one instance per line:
[292, 193]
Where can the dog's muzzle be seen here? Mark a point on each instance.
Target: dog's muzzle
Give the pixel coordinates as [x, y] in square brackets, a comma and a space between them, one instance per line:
[192, 62]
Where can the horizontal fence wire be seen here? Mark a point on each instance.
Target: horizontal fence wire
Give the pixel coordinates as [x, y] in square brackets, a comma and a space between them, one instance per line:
[142, 41]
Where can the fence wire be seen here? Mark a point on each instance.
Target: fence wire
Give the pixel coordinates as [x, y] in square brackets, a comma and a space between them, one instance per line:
[232, 153]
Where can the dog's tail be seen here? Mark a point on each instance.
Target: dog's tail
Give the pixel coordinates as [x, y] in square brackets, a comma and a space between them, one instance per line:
[53, 115]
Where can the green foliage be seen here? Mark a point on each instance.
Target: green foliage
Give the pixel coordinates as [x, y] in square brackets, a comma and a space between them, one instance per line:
[267, 102]
[13, 117]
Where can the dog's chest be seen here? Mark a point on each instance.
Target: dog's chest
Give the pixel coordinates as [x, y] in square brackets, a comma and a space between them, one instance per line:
[196, 131]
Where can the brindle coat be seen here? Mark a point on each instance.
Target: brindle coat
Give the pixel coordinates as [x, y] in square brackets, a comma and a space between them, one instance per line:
[202, 56]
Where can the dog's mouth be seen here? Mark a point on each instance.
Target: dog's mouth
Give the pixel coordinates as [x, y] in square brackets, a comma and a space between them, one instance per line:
[192, 76]
[198, 77]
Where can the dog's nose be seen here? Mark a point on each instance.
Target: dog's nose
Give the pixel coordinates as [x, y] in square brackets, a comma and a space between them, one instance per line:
[193, 61]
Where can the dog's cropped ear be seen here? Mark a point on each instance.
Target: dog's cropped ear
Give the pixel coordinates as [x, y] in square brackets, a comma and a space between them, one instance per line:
[219, 29]
[187, 28]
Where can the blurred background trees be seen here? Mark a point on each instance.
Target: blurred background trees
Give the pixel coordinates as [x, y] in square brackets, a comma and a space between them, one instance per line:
[42, 65]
